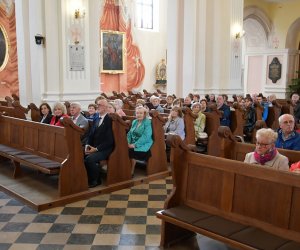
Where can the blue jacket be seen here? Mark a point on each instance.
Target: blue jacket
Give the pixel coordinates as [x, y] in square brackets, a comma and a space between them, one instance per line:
[292, 143]
[225, 119]
[141, 136]
[266, 110]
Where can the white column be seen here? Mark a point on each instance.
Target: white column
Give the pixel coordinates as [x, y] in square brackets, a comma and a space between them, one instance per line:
[62, 83]
[235, 81]
[174, 45]
[37, 52]
[188, 63]
[53, 51]
[23, 50]
[200, 46]
[200, 65]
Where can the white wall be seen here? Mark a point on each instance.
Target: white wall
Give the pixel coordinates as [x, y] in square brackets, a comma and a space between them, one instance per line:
[153, 46]
[44, 71]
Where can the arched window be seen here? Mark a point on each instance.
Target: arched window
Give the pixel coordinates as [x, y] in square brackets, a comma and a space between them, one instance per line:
[145, 14]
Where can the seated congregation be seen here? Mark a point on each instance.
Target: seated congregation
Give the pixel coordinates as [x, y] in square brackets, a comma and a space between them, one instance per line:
[127, 125]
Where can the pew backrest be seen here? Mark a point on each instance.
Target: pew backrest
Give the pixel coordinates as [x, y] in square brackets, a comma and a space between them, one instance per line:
[234, 150]
[57, 144]
[255, 197]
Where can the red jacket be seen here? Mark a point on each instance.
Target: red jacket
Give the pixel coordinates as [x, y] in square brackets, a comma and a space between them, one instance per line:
[58, 123]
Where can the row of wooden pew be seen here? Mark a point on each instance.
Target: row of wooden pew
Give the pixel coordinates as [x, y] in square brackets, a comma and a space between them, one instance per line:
[242, 205]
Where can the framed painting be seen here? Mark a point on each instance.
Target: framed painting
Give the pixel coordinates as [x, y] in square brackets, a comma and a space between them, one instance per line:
[4, 48]
[113, 52]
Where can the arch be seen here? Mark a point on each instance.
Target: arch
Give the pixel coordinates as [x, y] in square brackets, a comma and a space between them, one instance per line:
[258, 28]
[260, 16]
[256, 37]
[293, 35]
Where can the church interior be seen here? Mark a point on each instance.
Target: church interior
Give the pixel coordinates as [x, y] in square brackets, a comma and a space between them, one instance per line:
[79, 52]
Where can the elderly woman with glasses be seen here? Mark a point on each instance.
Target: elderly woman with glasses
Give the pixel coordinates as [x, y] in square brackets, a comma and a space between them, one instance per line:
[265, 152]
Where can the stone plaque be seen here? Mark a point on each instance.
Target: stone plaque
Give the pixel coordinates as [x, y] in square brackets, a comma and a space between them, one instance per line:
[275, 70]
[76, 53]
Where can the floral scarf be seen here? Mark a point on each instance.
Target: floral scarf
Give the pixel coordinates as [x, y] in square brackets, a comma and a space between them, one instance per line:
[262, 159]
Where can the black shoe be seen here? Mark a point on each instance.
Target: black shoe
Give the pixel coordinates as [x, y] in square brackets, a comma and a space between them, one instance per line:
[95, 183]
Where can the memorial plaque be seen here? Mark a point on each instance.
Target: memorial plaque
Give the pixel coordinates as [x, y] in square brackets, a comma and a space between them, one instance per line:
[275, 70]
[76, 53]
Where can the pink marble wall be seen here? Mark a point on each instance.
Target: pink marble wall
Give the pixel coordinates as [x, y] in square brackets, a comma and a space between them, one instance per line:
[9, 82]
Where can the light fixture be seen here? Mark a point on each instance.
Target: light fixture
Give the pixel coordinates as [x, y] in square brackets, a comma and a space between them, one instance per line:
[39, 39]
[79, 13]
[239, 34]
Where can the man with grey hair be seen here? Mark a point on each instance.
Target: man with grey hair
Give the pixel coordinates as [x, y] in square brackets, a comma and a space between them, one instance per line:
[77, 117]
[288, 138]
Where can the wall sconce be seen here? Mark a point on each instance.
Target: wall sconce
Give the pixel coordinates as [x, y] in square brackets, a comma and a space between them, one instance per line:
[239, 34]
[39, 39]
[79, 13]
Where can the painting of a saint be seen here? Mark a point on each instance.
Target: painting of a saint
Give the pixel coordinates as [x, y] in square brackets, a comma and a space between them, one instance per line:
[113, 51]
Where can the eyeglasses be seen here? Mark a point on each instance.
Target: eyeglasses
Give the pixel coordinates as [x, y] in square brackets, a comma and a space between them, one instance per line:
[263, 145]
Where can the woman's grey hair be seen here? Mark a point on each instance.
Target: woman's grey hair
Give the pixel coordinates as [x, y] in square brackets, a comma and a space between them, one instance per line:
[196, 104]
[59, 105]
[143, 109]
[267, 133]
[118, 103]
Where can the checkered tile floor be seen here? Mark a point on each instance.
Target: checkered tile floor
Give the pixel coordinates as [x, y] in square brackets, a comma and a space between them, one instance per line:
[122, 220]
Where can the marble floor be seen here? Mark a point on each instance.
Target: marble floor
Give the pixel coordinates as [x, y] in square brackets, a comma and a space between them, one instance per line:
[121, 220]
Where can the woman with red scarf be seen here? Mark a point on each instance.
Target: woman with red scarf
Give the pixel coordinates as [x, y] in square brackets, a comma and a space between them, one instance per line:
[265, 153]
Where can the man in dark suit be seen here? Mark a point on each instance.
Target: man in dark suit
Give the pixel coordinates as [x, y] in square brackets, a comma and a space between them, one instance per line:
[100, 143]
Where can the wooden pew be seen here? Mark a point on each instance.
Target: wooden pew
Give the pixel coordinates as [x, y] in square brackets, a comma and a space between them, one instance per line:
[118, 163]
[244, 206]
[8, 102]
[258, 111]
[13, 112]
[35, 112]
[128, 105]
[273, 115]
[189, 118]
[158, 161]
[211, 128]
[234, 150]
[49, 149]
[129, 112]
[237, 121]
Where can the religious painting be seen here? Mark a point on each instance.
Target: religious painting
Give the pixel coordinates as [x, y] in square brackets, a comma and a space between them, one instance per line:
[4, 45]
[113, 52]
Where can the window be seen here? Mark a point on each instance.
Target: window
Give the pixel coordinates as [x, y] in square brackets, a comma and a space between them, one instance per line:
[144, 14]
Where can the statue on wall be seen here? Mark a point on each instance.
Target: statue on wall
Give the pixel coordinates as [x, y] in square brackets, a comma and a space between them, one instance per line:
[161, 72]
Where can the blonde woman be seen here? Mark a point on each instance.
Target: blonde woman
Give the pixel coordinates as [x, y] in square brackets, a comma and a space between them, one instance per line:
[59, 112]
[265, 152]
